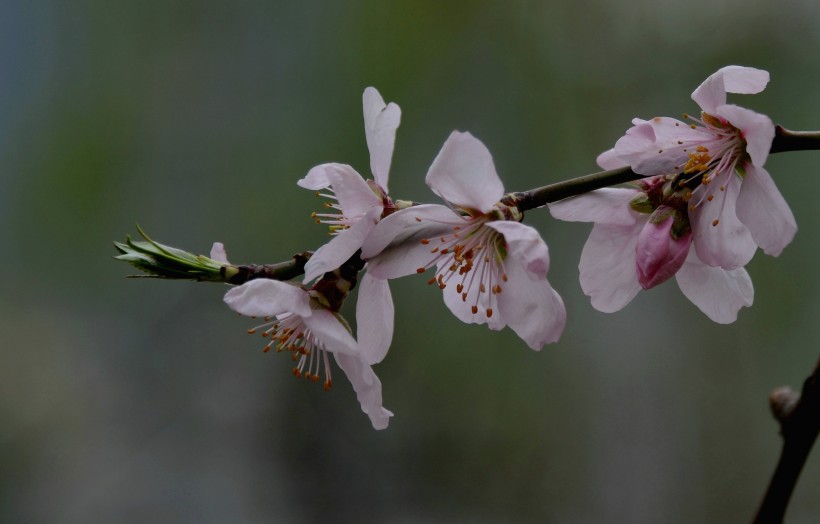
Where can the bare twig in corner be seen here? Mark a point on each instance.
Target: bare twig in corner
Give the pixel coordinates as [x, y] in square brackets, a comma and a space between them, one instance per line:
[799, 418]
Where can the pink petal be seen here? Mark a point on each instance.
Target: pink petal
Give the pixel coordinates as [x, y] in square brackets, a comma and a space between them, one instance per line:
[368, 388]
[762, 209]
[374, 318]
[464, 175]
[530, 306]
[718, 293]
[525, 245]
[380, 124]
[609, 159]
[341, 247]
[268, 298]
[394, 248]
[218, 253]
[756, 129]
[730, 79]
[317, 177]
[658, 255]
[605, 206]
[607, 267]
[330, 333]
[354, 195]
[727, 244]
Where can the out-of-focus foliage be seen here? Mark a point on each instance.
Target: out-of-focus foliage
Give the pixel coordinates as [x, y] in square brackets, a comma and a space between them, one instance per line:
[142, 400]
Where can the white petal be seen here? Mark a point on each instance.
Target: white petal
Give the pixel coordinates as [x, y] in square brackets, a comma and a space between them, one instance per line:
[609, 159]
[530, 306]
[380, 124]
[374, 318]
[730, 79]
[330, 333]
[608, 273]
[368, 388]
[463, 173]
[525, 245]
[761, 207]
[218, 253]
[341, 247]
[354, 195]
[394, 249]
[757, 130]
[316, 178]
[728, 244]
[718, 293]
[605, 206]
[268, 298]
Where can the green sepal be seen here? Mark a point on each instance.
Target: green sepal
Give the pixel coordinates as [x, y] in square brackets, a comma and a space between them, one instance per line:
[161, 261]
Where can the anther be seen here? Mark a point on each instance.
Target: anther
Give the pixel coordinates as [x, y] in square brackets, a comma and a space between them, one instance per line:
[425, 241]
[459, 288]
[715, 222]
[418, 219]
[489, 312]
[710, 198]
[421, 270]
[432, 280]
[475, 309]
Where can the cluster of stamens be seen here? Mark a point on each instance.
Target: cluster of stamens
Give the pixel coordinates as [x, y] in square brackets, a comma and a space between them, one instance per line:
[470, 258]
[716, 163]
[289, 333]
[334, 218]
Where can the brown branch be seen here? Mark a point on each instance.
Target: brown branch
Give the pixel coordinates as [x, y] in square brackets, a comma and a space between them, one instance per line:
[799, 418]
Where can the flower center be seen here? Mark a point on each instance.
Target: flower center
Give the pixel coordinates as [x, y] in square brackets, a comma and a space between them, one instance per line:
[471, 258]
[289, 333]
[713, 164]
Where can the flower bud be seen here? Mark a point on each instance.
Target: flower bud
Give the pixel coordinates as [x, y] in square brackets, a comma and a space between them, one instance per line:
[659, 252]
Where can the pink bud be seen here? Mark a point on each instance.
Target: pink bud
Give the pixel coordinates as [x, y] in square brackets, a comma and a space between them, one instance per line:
[658, 254]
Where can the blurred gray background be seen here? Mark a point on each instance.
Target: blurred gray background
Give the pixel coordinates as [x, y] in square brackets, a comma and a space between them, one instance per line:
[136, 401]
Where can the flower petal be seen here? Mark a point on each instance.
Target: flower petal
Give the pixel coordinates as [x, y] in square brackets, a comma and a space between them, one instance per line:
[604, 206]
[374, 318]
[394, 248]
[354, 195]
[218, 253]
[268, 298]
[718, 293]
[341, 247]
[463, 174]
[530, 306]
[368, 388]
[762, 209]
[330, 333]
[609, 159]
[756, 129]
[608, 274]
[525, 245]
[380, 124]
[730, 79]
[317, 177]
[462, 306]
[727, 244]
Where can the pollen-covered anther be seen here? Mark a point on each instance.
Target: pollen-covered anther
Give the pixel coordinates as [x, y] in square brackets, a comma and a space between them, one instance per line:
[425, 241]
[496, 289]
[297, 372]
[715, 222]
[251, 331]
[489, 312]
[432, 280]
[459, 288]
[475, 309]
[710, 198]
[421, 270]
[328, 384]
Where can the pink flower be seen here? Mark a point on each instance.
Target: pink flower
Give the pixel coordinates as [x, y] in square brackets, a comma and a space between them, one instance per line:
[492, 269]
[641, 238]
[359, 204]
[307, 324]
[735, 206]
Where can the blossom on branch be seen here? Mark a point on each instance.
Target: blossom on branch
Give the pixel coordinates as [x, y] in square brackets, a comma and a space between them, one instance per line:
[491, 268]
[735, 205]
[357, 204]
[641, 238]
[307, 324]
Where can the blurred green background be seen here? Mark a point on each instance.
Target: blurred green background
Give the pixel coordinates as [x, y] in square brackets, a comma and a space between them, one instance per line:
[138, 401]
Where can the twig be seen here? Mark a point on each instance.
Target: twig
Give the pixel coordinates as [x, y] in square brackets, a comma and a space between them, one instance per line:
[799, 418]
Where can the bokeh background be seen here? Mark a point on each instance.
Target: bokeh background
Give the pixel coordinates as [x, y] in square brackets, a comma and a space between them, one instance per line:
[145, 401]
